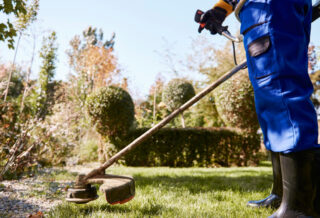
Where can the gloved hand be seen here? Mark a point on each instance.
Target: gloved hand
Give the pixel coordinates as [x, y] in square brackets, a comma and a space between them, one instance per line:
[213, 20]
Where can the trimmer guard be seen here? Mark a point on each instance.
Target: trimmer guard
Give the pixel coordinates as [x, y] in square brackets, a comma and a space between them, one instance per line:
[117, 189]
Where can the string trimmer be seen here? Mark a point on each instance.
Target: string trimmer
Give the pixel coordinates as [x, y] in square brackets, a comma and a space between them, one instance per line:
[121, 189]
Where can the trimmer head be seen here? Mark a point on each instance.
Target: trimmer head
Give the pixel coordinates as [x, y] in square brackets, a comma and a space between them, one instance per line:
[117, 190]
[82, 194]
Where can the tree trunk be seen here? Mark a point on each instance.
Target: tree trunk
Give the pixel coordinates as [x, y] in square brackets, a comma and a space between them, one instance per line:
[11, 71]
[102, 155]
[26, 88]
[182, 121]
[154, 106]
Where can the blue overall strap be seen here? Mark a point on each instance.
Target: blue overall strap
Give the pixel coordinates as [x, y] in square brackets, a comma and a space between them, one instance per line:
[239, 5]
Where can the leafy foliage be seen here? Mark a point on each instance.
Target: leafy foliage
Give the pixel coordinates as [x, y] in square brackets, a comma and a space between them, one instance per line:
[205, 113]
[33, 138]
[60, 135]
[16, 83]
[231, 104]
[10, 115]
[88, 151]
[176, 93]
[28, 17]
[48, 56]
[7, 30]
[94, 65]
[25, 18]
[151, 110]
[235, 103]
[9, 118]
[211, 62]
[112, 111]
[92, 59]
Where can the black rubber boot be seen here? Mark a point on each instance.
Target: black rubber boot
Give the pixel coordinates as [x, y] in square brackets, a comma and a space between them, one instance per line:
[298, 185]
[274, 199]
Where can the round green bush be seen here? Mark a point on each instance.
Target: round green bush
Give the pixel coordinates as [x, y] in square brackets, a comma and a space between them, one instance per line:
[176, 93]
[235, 103]
[112, 110]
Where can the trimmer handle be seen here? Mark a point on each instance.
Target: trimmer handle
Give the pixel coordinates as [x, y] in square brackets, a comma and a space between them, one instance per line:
[222, 30]
[198, 17]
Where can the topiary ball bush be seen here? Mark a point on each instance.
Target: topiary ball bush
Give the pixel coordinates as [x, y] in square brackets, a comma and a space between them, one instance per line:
[112, 110]
[176, 93]
[235, 103]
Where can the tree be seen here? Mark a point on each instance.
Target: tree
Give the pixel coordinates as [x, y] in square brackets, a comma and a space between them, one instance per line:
[176, 93]
[48, 56]
[92, 59]
[25, 18]
[235, 103]
[112, 113]
[156, 91]
[152, 110]
[205, 113]
[211, 62]
[111, 110]
[94, 66]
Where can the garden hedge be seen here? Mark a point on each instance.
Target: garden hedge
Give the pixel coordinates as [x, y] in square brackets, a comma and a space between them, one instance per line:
[186, 147]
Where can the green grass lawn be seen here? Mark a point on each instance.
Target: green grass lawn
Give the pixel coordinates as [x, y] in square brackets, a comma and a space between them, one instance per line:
[183, 192]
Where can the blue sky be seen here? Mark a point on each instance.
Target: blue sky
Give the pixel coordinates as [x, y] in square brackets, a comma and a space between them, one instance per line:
[140, 25]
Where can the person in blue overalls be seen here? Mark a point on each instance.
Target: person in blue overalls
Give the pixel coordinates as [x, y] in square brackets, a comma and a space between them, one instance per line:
[276, 38]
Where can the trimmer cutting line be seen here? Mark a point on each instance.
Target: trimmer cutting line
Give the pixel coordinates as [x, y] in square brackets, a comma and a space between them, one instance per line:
[121, 189]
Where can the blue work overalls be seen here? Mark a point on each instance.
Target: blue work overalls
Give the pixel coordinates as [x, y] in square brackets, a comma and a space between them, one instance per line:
[276, 37]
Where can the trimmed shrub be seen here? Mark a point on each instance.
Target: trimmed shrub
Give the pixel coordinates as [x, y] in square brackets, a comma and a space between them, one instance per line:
[176, 93]
[192, 147]
[235, 103]
[112, 111]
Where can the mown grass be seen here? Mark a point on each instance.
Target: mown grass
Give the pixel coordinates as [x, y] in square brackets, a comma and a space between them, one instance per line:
[57, 175]
[181, 192]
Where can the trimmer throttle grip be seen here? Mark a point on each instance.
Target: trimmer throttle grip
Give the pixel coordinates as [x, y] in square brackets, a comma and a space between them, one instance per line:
[198, 17]
[218, 28]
